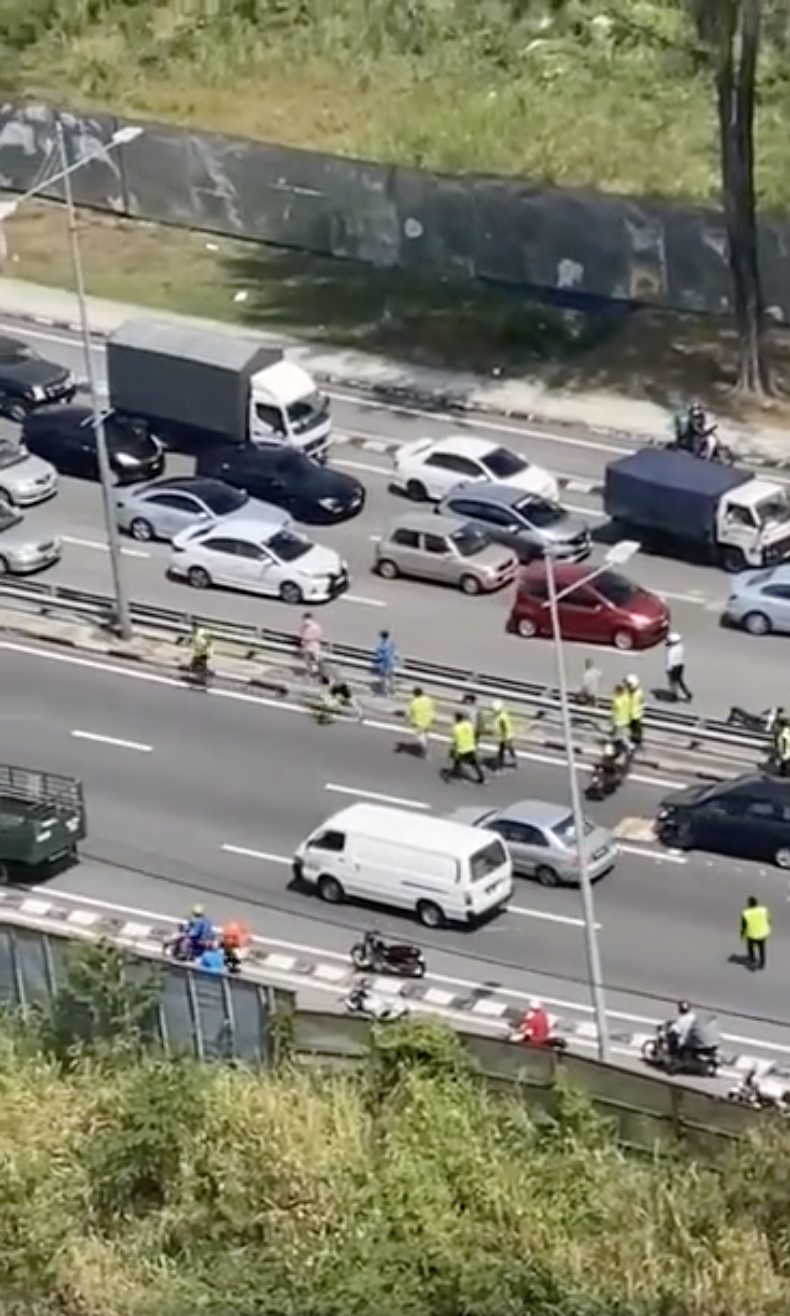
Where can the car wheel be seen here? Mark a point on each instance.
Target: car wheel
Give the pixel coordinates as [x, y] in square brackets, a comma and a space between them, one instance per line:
[7, 497]
[756, 623]
[623, 640]
[141, 529]
[198, 578]
[416, 491]
[3, 567]
[469, 585]
[783, 858]
[732, 560]
[290, 593]
[527, 628]
[330, 890]
[546, 876]
[387, 568]
[430, 914]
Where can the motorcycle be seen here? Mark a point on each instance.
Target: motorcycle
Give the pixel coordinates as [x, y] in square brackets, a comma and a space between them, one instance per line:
[180, 949]
[367, 1004]
[552, 1043]
[374, 955]
[761, 723]
[702, 1062]
[607, 778]
[761, 1093]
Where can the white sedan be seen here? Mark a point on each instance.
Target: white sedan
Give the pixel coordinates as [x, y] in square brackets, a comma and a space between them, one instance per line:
[274, 561]
[429, 469]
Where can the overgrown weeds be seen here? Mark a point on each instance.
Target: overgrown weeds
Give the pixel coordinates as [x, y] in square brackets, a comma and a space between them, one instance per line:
[163, 1186]
[572, 92]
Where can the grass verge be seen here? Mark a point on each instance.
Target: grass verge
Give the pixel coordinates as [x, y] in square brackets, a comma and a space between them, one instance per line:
[642, 354]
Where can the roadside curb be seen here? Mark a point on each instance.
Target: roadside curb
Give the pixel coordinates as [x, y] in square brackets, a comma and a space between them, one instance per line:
[448, 402]
[485, 1002]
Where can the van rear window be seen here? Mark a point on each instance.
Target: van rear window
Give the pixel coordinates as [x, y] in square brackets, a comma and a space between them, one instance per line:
[487, 860]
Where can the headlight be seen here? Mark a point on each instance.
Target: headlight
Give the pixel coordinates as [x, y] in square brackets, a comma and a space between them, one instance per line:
[123, 459]
[330, 504]
[38, 393]
[28, 553]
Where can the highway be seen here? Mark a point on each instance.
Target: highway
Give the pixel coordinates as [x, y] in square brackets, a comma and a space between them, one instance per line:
[213, 793]
[427, 621]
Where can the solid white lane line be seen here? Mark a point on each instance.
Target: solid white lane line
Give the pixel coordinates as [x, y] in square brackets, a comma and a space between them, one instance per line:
[102, 548]
[363, 600]
[256, 854]
[335, 789]
[657, 856]
[111, 740]
[368, 467]
[549, 918]
[239, 697]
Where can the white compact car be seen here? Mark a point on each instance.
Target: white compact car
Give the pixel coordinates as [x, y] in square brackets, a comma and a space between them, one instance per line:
[427, 470]
[273, 560]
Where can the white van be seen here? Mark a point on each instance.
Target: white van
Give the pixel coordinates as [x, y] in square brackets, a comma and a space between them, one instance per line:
[443, 871]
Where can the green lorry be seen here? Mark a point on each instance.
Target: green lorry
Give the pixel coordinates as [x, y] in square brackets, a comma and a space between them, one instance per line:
[42, 819]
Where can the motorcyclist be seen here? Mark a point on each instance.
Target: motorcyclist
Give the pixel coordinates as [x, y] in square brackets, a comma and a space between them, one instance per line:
[360, 996]
[694, 434]
[212, 957]
[235, 942]
[535, 1028]
[375, 946]
[688, 1035]
[613, 762]
[199, 931]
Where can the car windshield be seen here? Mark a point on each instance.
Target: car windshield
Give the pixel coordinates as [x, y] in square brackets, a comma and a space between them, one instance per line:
[8, 517]
[501, 463]
[565, 830]
[538, 512]
[287, 546]
[223, 501]
[11, 454]
[14, 353]
[617, 589]
[469, 541]
[770, 510]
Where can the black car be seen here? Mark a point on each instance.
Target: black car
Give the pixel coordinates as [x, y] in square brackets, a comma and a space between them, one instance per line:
[313, 494]
[746, 817]
[66, 437]
[28, 381]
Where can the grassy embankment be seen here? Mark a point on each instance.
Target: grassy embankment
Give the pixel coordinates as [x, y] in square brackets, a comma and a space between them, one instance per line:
[442, 84]
[134, 1186]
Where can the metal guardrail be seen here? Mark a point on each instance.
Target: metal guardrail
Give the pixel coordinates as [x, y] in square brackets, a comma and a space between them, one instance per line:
[696, 733]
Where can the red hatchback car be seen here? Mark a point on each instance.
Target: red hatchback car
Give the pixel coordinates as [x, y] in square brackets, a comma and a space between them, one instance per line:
[603, 609]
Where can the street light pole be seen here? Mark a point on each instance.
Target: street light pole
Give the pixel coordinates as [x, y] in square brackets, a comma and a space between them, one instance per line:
[594, 971]
[123, 613]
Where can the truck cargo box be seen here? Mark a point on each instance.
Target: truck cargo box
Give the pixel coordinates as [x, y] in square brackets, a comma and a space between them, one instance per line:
[669, 493]
[42, 815]
[184, 377]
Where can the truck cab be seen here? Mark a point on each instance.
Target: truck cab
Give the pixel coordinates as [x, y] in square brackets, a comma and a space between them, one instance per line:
[286, 407]
[753, 523]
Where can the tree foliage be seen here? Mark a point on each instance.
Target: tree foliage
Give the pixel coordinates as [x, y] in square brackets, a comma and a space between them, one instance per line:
[132, 1184]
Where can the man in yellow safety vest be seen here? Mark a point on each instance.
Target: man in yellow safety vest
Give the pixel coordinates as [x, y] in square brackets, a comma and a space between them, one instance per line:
[755, 931]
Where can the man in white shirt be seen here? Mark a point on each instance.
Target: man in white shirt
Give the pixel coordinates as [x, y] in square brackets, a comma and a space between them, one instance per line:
[676, 666]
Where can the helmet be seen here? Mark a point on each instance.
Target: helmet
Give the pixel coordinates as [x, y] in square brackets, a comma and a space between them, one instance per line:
[498, 706]
[696, 410]
[535, 1004]
[198, 910]
[673, 638]
[683, 1007]
[632, 681]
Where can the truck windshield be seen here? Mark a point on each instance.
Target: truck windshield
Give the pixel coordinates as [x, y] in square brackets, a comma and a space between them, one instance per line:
[308, 412]
[773, 509]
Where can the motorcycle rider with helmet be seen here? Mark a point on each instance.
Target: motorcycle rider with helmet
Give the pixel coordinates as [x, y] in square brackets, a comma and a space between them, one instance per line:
[694, 434]
[688, 1036]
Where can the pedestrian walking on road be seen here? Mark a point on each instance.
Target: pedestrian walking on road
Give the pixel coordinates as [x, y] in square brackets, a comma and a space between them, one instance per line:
[471, 709]
[676, 667]
[506, 756]
[384, 663]
[421, 715]
[755, 931]
[636, 711]
[590, 685]
[311, 642]
[621, 715]
[463, 751]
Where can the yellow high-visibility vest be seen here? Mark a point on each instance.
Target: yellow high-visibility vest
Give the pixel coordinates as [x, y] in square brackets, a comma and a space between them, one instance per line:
[464, 740]
[422, 712]
[756, 923]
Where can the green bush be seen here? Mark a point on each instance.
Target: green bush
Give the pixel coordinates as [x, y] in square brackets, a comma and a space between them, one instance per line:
[131, 1184]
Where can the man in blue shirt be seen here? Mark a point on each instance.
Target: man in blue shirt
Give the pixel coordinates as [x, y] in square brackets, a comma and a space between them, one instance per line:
[385, 661]
[200, 931]
[213, 958]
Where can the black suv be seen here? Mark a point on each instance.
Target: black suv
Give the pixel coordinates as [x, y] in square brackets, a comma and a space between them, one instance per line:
[746, 817]
[66, 437]
[28, 381]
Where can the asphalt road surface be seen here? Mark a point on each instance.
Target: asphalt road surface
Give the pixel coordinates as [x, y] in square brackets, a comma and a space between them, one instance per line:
[213, 793]
[427, 621]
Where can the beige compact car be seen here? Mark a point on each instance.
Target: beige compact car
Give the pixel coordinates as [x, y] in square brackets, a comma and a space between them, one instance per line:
[446, 550]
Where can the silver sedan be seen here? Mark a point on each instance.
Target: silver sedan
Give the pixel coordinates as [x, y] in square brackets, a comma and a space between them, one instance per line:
[22, 550]
[542, 841]
[165, 508]
[759, 601]
[25, 479]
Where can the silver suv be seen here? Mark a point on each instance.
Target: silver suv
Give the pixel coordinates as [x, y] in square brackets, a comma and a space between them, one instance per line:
[445, 550]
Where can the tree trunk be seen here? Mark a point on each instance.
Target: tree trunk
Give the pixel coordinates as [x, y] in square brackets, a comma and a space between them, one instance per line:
[736, 73]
